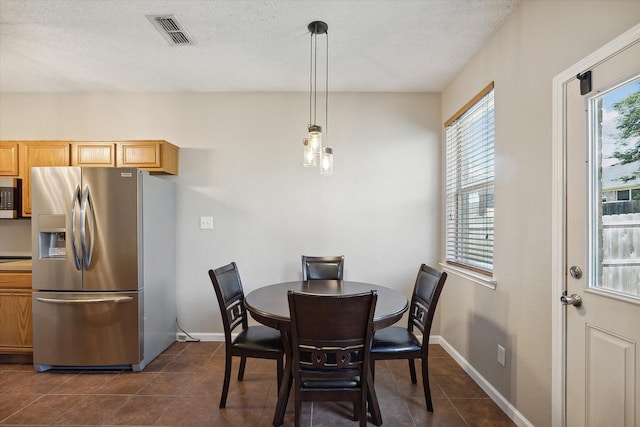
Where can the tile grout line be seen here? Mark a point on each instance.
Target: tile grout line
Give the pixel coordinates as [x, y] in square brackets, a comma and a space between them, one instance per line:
[455, 408]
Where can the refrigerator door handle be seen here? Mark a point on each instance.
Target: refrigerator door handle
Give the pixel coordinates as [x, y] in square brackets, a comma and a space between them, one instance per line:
[75, 205]
[84, 301]
[87, 215]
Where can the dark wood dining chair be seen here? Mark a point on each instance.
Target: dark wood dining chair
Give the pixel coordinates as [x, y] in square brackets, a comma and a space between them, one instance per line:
[331, 340]
[322, 267]
[259, 342]
[401, 343]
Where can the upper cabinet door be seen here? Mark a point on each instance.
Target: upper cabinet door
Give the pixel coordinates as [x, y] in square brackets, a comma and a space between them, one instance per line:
[93, 154]
[8, 159]
[49, 153]
[153, 156]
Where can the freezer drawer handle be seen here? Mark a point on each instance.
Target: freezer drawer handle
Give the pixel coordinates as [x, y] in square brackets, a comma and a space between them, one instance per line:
[84, 301]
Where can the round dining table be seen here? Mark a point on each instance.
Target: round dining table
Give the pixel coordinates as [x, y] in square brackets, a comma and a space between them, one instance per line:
[269, 305]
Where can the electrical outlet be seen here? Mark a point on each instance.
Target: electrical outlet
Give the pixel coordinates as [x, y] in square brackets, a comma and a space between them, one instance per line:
[501, 355]
[206, 223]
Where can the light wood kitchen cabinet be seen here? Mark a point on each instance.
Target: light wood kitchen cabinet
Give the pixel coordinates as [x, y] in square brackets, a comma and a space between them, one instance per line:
[39, 153]
[93, 153]
[155, 156]
[16, 327]
[8, 158]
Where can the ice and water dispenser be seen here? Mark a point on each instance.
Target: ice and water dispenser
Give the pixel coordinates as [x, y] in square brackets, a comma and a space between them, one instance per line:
[52, 236]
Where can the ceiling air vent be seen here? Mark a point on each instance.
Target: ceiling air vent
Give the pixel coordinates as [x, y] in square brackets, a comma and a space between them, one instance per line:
[171, 29]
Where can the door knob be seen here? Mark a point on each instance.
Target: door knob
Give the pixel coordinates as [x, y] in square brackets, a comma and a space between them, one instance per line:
[575, 271]
[573, 299]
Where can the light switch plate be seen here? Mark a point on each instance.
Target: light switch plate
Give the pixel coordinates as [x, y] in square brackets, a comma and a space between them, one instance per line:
[206, 223]
[501, 355]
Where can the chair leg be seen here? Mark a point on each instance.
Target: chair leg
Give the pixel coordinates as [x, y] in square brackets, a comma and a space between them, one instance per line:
[412, 370]
[283, 395]
[425, 383]
[298, 414]
[243, 363]
[372, 405]
[227, 379]
[363, 409]
[279, 371]
[356, 410]
[372, 374]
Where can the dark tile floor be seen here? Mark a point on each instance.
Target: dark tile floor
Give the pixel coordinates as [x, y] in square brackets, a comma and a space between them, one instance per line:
[182, 386]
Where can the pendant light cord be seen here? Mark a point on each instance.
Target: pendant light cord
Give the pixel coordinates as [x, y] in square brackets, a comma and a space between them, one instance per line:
[313, 79]
[310, 77]
[326, 97]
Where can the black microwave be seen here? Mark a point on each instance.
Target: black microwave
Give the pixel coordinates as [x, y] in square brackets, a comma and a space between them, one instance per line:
[10, 198]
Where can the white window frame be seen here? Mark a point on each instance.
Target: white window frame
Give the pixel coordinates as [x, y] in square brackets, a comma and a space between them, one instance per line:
[469, 219]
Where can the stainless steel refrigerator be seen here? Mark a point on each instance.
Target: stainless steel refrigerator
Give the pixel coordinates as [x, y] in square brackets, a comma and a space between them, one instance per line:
[103, 252]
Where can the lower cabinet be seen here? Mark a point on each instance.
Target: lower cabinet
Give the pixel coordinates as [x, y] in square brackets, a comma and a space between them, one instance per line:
[16, 330]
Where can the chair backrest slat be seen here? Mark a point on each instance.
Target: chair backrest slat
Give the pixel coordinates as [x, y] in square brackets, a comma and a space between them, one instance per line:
[235, 313]
[418, 314]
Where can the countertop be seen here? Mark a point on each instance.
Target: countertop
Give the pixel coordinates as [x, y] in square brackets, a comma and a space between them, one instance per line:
[18, 265]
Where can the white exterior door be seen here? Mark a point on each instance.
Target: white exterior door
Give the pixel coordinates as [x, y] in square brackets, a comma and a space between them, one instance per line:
[602, 248]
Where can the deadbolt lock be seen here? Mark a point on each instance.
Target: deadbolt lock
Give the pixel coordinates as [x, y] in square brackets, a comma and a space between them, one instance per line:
[576, 272]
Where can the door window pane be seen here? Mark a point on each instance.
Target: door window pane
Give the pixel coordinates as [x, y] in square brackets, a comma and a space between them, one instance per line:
[615, 221]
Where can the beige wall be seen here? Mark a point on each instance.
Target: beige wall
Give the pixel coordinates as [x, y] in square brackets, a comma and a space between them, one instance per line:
[540, 40]
[241, 162]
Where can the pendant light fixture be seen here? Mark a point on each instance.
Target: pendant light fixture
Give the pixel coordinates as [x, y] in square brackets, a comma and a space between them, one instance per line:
[316, 150]
[310, 156]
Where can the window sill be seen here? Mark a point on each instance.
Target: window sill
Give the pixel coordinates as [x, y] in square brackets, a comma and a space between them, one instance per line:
[487, 282]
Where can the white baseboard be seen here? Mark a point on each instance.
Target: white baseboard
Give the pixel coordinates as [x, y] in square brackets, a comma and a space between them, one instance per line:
[491, 391]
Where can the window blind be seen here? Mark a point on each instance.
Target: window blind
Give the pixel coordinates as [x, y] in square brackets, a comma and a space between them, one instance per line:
[469, 184]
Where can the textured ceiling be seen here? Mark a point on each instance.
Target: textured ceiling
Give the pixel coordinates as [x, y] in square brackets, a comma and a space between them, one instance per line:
[258, 45]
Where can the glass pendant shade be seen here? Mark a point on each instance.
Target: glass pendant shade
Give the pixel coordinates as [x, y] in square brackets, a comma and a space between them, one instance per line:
[326, 162]
[315, 138]
[310, 157]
